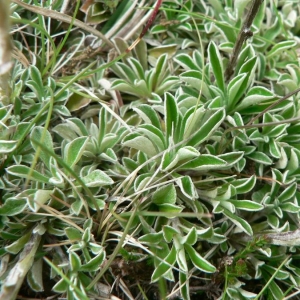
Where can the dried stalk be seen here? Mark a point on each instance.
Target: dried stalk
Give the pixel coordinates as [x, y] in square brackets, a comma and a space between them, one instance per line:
[5, 52]
[244, 34]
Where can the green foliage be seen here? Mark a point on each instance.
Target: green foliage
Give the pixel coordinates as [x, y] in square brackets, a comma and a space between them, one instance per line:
[152, 167]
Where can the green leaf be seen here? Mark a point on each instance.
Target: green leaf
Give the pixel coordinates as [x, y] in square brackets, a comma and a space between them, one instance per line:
[165, 194]
[97, 178]
[247, 205]
[152, 238]
[232, 158]
[43, 136]
[154, 134]
[170, 208]
[204, 162]
[164, 266]
[198, 261]
[75, 262]
[160, 72]
[148, 114]
[74, 150]
[255, 96]
[191, 237]
[208, 127]
[290, 207]
[217, 65]
[238, 221]
[40, 198]
[35, 82]
[169, 233]
[171, 117]
[280, 47]
[7, 146]
[236, 88]
[73, 234]
[94, 264]
[34, 278]
[12, 206]
[187, 187]
[244, 186]
[136, 141]
[288, 193]
[260, 157]
[194, 78]
[61, 286]
[19, 244]
[27, 173]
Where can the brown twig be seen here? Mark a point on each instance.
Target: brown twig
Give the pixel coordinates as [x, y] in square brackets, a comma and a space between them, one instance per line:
[244, 34]
[5, 52]
[150, 21]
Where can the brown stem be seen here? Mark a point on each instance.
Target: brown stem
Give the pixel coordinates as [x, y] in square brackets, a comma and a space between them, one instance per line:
[244, 34]
[5, 52]
[150, 21]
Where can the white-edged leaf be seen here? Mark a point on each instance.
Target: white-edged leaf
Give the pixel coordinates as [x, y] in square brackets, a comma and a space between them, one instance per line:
[97, 178]
[74, 150]
[198, 261]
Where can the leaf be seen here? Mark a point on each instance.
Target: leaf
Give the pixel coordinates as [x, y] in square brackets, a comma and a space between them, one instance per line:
[164, 266]
[204, 162]
[187, 187]
[280, 47]
[97, 178]
[235, 90]
[191, 237]
[94, 264]
[165, 194]
[148, 114]
[19, 244]
[244, 186]
[12, 206]
[170, 209]
[159, 73]
[288, 193]
[169, 233]
[34, 278]
[7, 146]
[260, 157]
[43, 136]
[171, 115]
[247, 205]
[198, 261]
[27, 173]
[152, 238]
[73, 234]
[239, 222]
[40, 197]
[155, 135]
[35, 82]
[207, 128]
[74, 150]
[194, 78]
[255, 96]
[141, 143]
[75, 262]
[217, 65]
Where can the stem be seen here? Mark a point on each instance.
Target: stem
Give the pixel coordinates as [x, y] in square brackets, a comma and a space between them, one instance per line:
[5, 52]
[244, 34]
[150, 21]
